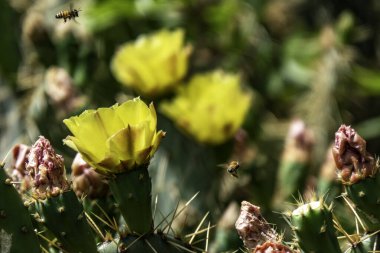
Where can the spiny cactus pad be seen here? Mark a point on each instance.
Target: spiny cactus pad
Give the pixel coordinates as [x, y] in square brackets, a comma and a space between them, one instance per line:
[313, 227]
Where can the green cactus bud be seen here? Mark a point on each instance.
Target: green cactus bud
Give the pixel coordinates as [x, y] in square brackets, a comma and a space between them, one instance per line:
[313, 227]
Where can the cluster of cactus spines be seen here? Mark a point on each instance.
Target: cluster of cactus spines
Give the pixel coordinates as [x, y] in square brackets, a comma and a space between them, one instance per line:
[295, 163]
[358, 172]
[313, 226]
[252, 228]
[16, 230]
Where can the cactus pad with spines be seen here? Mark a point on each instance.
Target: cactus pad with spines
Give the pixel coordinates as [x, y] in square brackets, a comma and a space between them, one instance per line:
[132, 192]
[313, 226]
[16, 230]
[63, 215]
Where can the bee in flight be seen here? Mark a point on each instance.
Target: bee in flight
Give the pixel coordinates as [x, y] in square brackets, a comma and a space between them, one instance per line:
[68, 14]
[231, 167]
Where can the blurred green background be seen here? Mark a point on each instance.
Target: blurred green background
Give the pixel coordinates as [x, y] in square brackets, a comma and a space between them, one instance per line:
[317, 61]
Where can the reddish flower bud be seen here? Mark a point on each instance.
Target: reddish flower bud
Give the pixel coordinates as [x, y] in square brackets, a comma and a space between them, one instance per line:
[352, 160]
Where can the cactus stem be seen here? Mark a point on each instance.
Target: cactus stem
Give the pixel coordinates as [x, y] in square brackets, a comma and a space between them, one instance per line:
[132, 191]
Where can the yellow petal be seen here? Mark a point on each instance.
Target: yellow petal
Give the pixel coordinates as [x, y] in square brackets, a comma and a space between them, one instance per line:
[109, 120]
[120, 144]
[133, 112]
[156, 141]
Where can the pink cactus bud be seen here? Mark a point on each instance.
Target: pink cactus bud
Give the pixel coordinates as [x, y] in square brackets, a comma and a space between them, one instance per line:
[46, 169]
[352, 160]
[86, 181]
[19, 174]
[252, 228]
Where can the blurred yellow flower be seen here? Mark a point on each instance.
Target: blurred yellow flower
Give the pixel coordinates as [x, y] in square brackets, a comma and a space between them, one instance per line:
[211, 108]
[154, 63]
[115, 139]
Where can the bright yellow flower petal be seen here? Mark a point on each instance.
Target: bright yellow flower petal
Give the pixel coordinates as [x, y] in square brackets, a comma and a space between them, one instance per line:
[117, 138]
[133, 112]
[210, 108]
[154, 63]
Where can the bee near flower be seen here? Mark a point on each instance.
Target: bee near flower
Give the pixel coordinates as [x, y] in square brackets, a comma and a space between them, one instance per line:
[68, 14]
[231, 167]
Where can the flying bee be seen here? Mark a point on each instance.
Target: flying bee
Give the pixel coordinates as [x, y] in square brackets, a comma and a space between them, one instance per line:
[232, 168]
[68, 14]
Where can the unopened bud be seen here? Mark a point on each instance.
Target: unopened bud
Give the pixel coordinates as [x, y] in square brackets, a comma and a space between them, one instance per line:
[352, 160]
[46, 169]
[86, 181]
[252, 228]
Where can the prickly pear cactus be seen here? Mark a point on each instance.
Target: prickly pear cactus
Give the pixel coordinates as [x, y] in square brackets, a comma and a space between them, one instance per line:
[313, 226]
[16, 230]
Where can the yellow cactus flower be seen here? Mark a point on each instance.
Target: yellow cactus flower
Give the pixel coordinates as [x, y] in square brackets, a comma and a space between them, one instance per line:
[115, 139]
[154, 63]
[211, 108]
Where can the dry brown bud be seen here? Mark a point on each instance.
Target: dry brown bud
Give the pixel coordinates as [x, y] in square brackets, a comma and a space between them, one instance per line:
[272, 247]
[46, 169]
[352, 160]
[252, 228]
[86, 181]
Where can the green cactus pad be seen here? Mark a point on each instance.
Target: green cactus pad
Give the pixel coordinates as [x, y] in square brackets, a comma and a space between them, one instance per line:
[313, 227]
[63, 215]
[132, 192]
[16, 230]
[365, 195]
